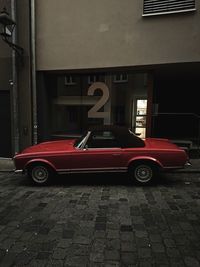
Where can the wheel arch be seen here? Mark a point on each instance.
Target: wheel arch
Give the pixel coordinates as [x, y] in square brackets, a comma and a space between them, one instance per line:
[37, 161]
[150, 160]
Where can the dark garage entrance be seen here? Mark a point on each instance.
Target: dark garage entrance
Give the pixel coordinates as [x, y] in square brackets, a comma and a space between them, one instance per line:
[177, 109]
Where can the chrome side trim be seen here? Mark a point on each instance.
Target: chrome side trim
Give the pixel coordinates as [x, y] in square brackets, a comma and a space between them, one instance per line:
[92, 170]
[100, 148]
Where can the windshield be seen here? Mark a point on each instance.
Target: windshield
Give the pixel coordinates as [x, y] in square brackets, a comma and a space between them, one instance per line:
[80, 140]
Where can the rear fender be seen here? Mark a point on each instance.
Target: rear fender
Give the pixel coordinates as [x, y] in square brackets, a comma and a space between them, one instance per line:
[40, 161]
[142, 158]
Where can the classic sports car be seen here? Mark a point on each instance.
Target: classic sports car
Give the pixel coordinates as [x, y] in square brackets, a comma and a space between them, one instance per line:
[101, 149]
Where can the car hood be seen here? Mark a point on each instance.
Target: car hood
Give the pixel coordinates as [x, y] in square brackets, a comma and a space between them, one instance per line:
[52, 146]
[160, 143]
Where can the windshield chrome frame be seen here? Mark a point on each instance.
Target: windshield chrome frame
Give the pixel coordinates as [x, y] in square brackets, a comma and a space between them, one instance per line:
[83, 142]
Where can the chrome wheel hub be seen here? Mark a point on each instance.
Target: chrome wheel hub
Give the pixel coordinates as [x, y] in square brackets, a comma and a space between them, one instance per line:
[39, 174]
[143, 173]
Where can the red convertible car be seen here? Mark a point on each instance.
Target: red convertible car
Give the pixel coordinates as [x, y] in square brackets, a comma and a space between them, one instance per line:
[101, 149]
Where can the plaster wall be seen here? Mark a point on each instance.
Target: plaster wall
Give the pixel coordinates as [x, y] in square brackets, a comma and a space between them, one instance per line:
[97, 34]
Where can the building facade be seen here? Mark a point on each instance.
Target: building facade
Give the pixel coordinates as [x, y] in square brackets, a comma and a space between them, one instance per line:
[133, 63]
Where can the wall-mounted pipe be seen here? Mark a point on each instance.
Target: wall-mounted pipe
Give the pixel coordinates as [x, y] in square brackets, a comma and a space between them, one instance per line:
[14, 89]
[33, 72]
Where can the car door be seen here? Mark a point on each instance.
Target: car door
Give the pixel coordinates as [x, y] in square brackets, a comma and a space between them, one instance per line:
[101, 152]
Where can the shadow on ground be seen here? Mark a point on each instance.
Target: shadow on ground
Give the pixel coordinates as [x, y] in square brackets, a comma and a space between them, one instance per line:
[164, 179]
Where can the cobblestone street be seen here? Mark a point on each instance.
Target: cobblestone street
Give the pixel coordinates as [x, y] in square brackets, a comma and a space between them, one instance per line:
[101, 220]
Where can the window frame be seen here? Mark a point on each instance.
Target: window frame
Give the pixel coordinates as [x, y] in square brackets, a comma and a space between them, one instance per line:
[121, 79]
[71, 80]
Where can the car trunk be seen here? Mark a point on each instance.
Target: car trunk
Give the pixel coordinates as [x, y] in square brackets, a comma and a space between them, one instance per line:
[159, 143]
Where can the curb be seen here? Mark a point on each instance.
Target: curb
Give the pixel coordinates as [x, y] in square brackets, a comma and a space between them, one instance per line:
[6, 165]
[7, 171]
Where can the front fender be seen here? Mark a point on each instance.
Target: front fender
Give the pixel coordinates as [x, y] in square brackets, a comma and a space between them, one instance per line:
[145, 158]
[40, 160]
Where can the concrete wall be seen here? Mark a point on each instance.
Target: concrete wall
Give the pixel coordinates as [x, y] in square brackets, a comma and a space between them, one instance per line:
[20, 93]
[95, 34]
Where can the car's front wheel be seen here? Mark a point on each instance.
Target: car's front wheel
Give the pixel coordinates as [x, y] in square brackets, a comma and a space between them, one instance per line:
[142, 173]
[40, 174]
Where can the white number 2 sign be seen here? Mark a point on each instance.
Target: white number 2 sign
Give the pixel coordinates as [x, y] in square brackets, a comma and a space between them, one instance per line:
[94, 111]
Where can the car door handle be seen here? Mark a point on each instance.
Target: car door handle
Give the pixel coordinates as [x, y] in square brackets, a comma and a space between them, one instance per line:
[116, 154]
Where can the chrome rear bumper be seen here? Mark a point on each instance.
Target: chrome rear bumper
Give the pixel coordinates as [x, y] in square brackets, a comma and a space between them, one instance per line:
[188, 164]
[18, 171]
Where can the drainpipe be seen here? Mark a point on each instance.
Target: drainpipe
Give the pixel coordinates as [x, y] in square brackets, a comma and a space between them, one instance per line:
[198, 142]
[33, 72]
[14, 89]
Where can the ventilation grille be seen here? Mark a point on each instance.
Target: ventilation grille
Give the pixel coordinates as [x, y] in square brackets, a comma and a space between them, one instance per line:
[167, 6]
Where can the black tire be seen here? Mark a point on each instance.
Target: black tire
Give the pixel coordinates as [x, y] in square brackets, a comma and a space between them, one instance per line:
[143, 172]
[40, 174]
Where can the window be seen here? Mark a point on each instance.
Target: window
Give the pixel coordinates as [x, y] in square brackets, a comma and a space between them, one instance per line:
[75, 107]
[140, 117]
[69, 80]
[121, 78]
[157, 7]
[92, 79]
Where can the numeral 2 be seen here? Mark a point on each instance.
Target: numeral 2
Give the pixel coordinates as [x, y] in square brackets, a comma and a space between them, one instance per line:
[94, 111]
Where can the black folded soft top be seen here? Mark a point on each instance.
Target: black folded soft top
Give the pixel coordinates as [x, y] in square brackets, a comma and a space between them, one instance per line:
[124, 135]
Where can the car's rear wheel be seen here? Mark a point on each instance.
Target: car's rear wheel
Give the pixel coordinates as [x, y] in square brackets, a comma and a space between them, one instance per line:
[142, 173]
[40, 174]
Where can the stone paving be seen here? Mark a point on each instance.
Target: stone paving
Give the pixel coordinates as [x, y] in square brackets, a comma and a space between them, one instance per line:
[100, 220]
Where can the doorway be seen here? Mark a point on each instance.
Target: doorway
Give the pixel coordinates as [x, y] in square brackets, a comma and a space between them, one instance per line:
[5, 120]
[140, 116]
